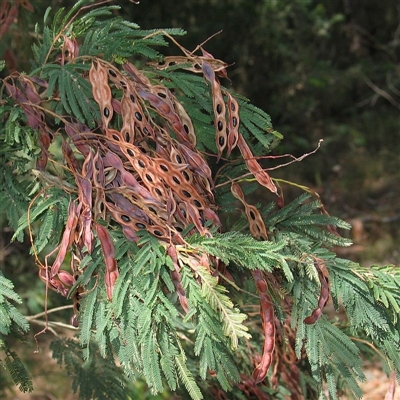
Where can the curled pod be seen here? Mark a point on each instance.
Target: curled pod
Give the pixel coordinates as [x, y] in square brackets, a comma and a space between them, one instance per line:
[256, 223]
[323, 296]
[176, 278]
[254, 167]
[196, 162]
[108, 250]
[268, 322]
[67, 238]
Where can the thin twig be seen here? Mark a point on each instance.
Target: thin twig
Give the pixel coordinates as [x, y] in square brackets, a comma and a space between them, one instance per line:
[33, 317]
[381, 92]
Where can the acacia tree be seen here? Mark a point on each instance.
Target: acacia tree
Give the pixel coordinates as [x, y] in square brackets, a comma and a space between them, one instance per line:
[132, 174]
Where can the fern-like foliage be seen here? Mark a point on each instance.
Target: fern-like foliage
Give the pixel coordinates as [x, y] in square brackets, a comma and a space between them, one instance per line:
[12, 322]
[96, 377]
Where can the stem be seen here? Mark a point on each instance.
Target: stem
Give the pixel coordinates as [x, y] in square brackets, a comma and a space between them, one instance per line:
[34, 317]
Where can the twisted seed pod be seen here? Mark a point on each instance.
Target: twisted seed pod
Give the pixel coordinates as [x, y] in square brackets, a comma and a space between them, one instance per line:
[256, 223]
[112, 160]
[53, 282]
[85, 218]
[254, 167]
[77, 132]
[196, 162]
[67, 238]
[176, 278]
[142, 122]
[267, 316]
[324, 293]
[108, 250]
[166, 111]
[129, 107]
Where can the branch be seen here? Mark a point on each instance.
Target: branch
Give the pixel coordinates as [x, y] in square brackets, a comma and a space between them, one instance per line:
[382, 93]
[33, 317]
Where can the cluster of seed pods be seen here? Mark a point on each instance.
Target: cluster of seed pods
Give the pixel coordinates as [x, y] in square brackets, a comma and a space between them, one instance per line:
[141, 169]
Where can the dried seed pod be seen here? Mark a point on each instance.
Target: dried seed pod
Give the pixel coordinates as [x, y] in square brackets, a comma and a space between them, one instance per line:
[197, 220]
[186, 122]
[70, 50]
[54, 283]
[69, 157]
[190, 62]
[128, 109]
[233, 123]
[176, 278]
[85, 217]
[166, 110]
[45, 139]
[256, 223]
[133, 219]
[268, 321]
[108, 250]
[130, 216]
[218, 107]
[112, 160]
[29, 89]
[77, 132]
[34, 118]
[115, 76]
[66, 278]
[99, 178]
[67, 238]
[196, 162]
[254, 167]
[324, 294]
[98, 77]
[137, 75]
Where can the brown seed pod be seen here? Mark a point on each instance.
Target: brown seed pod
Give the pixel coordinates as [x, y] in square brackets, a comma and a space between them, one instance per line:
[108, 250]
[67, 238]
[233, 123]
[218, 107]
[256, 223]
[176, 278]
[268, 321]
[98, 77]
[324, 293]
[70, 50]
[254, 167]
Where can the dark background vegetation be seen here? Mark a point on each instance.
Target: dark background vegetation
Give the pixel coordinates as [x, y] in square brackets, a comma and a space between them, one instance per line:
[322, 69]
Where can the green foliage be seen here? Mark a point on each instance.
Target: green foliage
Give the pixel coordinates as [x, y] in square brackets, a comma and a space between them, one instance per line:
[96, 378]
[187, 320]
[12, 323]
[11, 318]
